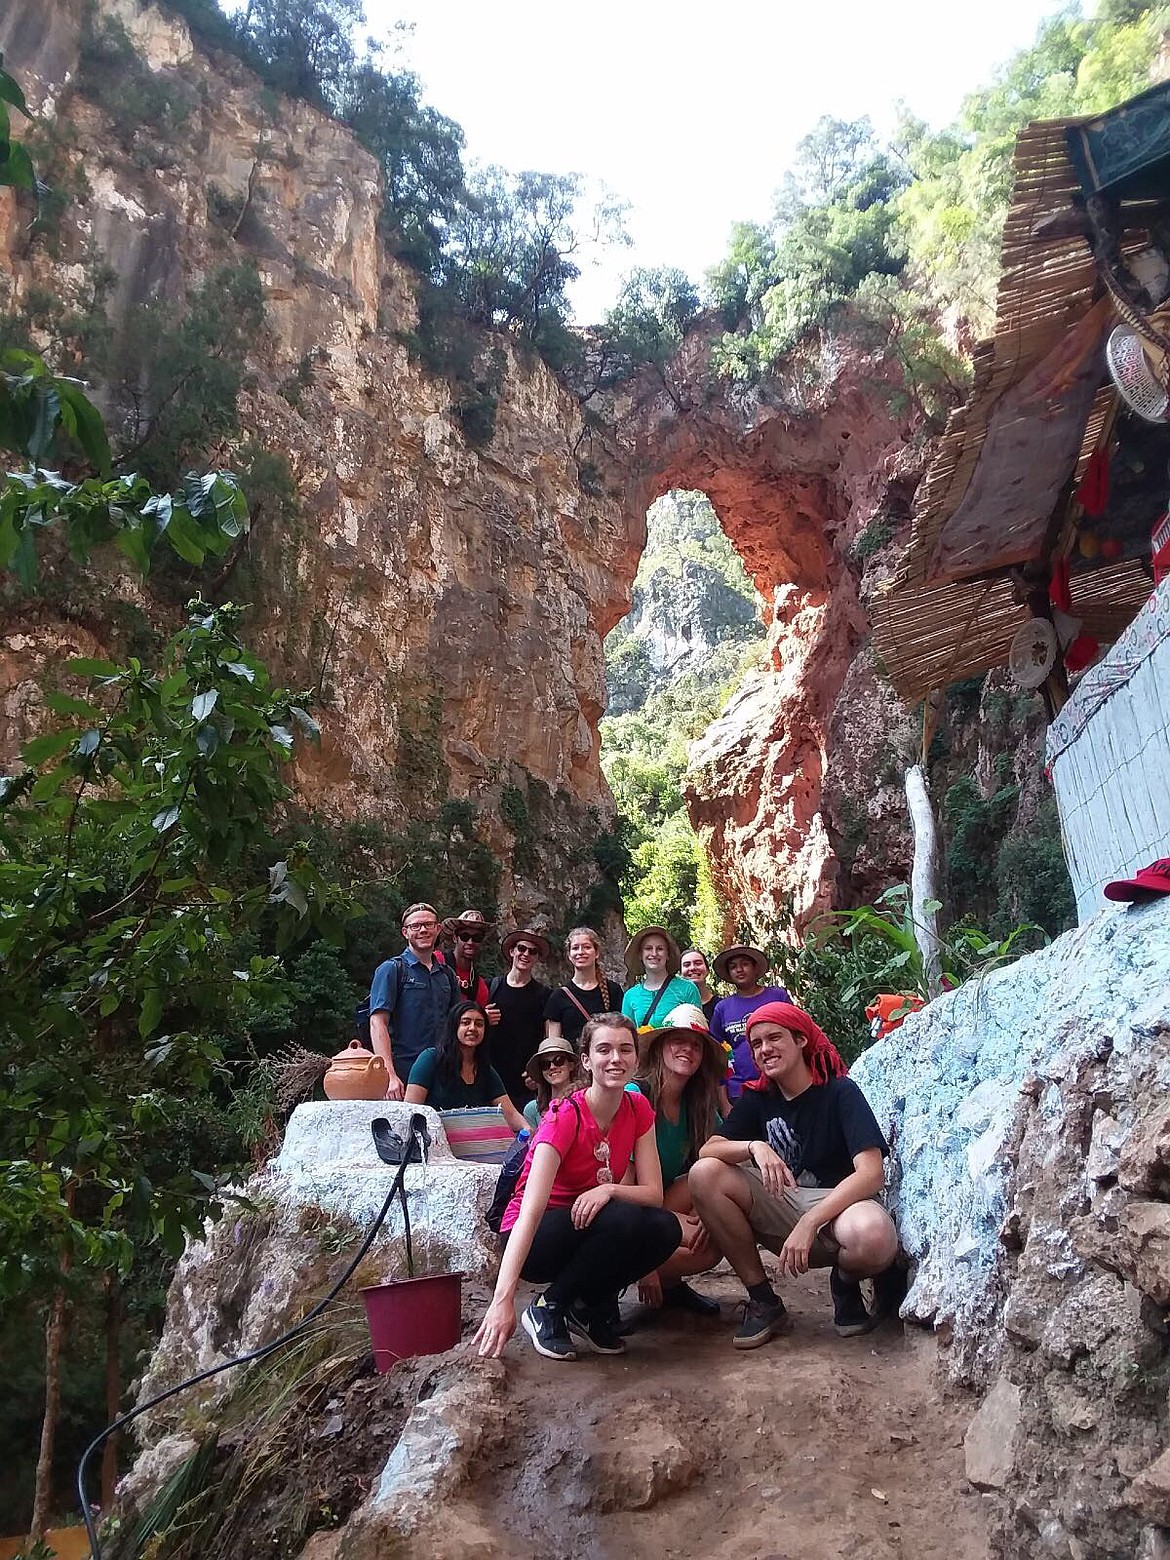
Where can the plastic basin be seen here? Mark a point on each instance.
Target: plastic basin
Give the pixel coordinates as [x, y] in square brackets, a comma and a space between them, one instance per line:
[414, 1316]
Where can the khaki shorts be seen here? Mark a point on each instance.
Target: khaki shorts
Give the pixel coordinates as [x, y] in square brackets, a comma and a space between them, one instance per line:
[773, 1219]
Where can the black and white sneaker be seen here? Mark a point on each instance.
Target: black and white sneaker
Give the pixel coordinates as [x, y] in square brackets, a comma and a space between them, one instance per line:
[544, 1322]
[594, 1326]
[850, 1317]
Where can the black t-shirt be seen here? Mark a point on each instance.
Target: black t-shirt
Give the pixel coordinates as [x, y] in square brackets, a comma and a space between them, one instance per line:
[819, 1133]
[568, 1015]
[518, 1033]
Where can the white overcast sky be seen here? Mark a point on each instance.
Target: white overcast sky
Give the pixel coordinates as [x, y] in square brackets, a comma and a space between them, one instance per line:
[689, 113]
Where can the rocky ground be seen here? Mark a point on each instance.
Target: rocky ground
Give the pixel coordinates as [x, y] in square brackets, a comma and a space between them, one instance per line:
[812, 1447]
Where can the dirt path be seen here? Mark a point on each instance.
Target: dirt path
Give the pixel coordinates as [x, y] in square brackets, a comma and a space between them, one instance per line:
[811, 1447]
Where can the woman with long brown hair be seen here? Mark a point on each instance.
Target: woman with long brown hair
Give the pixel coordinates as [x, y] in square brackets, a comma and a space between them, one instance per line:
[681, 1073]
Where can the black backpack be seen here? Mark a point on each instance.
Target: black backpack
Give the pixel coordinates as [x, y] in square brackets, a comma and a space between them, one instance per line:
[510, 1174]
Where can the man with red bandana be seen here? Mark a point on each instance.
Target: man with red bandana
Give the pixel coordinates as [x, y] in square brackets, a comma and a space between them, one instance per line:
[797, 1167]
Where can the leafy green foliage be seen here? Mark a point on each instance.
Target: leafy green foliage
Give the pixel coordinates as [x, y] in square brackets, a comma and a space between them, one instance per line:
[302, 47]
[176, 376]
[646, 326]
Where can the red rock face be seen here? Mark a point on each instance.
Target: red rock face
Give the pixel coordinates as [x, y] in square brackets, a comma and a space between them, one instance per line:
[793, 485]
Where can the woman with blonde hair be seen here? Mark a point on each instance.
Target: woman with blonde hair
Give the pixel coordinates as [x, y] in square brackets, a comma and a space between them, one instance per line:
[587, 992]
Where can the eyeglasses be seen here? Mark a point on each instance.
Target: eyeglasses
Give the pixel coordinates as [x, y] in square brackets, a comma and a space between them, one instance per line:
[556, 1061]
[419, 926]
[526, 948]
[604, 1173]
[475, 937]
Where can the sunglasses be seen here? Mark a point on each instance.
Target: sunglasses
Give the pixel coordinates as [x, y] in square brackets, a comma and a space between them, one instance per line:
[556, 1061]
[475, 937]
[525, 948]
[604, 1173]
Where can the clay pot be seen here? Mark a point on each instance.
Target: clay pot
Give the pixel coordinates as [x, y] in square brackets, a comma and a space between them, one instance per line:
[356, 1074]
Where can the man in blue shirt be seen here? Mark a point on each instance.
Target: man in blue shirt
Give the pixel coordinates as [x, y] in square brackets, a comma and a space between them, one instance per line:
[410, 998]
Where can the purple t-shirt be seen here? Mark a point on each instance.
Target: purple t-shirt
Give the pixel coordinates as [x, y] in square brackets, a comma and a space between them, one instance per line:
[729, 1026]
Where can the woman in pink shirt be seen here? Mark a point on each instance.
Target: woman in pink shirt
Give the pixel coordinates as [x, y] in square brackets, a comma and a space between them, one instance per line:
[576, 1223]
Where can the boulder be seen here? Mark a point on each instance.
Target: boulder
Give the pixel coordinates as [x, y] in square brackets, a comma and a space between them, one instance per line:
[989, 1447]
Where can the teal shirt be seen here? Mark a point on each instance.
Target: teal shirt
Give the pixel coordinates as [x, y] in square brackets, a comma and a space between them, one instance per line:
[674, 1141]
[636, 1002]
[486, 1089]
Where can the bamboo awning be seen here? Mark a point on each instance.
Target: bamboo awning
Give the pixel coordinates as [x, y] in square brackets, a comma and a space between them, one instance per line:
[1035, 408]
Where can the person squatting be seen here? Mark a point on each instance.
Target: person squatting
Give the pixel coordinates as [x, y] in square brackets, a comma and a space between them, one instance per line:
[671, 1128]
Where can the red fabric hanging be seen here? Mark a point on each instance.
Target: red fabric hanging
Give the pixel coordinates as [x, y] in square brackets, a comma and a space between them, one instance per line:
[1059, 592]
[1093, 492]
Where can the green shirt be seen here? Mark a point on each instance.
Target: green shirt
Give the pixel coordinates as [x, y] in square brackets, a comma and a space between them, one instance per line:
[636, 1002]
[486, 1089]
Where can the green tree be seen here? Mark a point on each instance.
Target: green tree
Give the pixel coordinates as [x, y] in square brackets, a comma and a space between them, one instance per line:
[421, 154]
[302, 47]
[646, 326]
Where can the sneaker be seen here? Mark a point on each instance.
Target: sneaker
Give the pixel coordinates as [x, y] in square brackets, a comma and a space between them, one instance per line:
[850, 1317]
[762, 1319]
[889, 1290]
[595, 1326]
[681, 1297]
[544, 1322]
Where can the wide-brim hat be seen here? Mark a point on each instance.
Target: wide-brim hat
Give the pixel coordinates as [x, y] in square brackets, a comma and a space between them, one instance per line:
[1154, 879]
[551, 1045]
[743, 951]
[634, 950]
[691, 1021]
[528, 935]
[467, 921]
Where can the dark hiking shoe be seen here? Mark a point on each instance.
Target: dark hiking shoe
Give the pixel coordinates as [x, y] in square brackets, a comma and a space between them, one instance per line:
[850, 1317]
[762, 1319]
[545, 1325]
[681, 1297]
[596, 1326]
[889, 1290]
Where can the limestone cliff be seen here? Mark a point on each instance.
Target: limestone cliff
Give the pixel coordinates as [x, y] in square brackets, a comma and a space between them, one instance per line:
[449, 600]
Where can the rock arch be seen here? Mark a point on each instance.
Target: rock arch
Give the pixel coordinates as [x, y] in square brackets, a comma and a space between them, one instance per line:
[794, 480]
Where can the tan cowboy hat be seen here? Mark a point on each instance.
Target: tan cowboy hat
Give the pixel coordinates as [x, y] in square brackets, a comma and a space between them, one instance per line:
[529, 935]
[467, 921]
[634, 950]
[686, 1019]
[551, 1045]
[742, 951]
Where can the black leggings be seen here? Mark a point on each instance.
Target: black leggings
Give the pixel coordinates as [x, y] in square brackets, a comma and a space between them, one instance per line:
[623, 1243]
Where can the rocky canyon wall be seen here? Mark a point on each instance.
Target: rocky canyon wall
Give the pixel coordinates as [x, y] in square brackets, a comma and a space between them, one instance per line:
[449, 600]
[1031, 1181]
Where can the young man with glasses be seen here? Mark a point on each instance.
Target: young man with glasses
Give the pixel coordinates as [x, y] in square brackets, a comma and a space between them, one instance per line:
[410, 998]
[520, 1000]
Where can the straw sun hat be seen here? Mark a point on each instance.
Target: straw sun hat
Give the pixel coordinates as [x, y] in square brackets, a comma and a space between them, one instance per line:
[634, 950]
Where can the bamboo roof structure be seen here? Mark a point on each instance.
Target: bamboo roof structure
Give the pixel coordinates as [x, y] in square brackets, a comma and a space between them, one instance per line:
[951, 608]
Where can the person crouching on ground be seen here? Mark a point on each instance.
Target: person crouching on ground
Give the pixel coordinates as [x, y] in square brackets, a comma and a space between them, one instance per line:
[796, 1167]
[681, 1074]
[572, 1224]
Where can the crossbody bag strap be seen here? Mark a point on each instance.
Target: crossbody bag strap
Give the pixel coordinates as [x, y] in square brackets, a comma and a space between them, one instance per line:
[584, 1012]
[658, 995]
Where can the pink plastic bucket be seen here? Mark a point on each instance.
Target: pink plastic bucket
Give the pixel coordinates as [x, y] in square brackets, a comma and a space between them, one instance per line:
[414, 1316]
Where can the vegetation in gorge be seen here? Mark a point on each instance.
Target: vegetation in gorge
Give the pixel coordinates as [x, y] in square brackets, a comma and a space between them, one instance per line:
[665, 688]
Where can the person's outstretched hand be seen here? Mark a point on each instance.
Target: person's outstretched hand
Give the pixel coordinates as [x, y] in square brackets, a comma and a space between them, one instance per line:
[497, 1327]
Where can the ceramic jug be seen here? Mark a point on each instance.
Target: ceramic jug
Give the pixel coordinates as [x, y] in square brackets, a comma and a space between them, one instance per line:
[356, 1074]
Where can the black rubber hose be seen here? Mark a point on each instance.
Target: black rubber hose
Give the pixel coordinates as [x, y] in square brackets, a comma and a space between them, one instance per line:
[240, 1359]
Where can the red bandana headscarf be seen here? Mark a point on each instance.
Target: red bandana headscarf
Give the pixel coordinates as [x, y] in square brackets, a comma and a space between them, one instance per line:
[821, 1055]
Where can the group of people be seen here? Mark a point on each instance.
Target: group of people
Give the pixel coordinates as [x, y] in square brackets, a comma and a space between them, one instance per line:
[669, 1127]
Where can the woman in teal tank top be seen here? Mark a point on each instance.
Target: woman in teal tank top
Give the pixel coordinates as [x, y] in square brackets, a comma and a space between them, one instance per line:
[652, 958]
[681, 1072]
